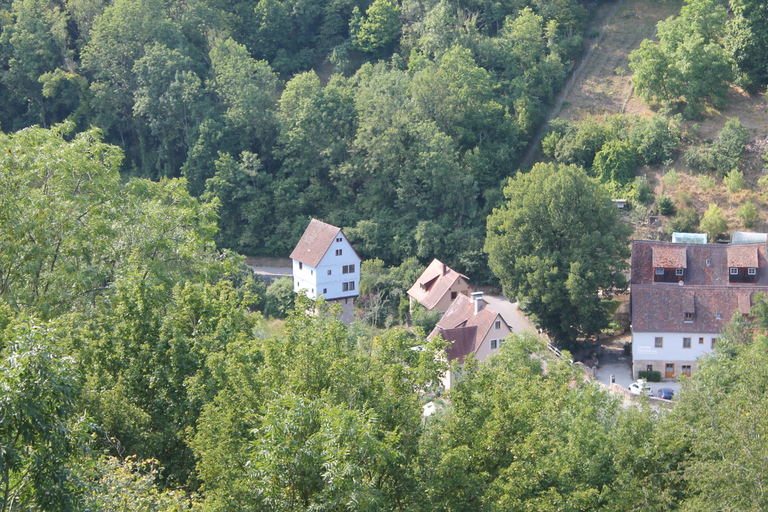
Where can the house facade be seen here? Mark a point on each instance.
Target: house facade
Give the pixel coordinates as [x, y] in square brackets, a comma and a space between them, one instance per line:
[325, 264]
[438, 287]
[471, 327]
[682, 295]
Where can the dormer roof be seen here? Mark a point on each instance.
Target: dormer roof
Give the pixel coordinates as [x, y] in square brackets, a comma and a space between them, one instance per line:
[460, 318]
[742, 256]
[315, 242]
[669, 256]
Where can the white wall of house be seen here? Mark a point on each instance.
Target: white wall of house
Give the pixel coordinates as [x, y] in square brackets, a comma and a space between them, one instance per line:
[673, 350]
[494, 334]
[331, 274]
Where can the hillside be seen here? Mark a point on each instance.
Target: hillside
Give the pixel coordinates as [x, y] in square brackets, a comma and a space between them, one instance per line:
[604, 88]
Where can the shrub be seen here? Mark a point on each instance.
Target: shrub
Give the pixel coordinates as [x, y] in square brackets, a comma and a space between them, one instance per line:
[734, 181]
[643, 190]
[656, 138]
[706, 182]
[665, 205]
[422, 317]
[279, 298]
[650, 376]
[748, 214]
[713, 223]
[686, 221]
[616, 161]
[671, 179]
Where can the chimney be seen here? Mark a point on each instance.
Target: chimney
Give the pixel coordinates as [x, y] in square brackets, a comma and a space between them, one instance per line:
[478, 296]
[445, 269]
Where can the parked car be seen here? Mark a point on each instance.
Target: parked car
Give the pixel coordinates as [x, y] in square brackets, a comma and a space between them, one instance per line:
[640, 388]
[665, 393]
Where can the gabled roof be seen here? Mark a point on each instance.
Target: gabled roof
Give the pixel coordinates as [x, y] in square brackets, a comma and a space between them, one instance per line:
[433, 283]
[462, 341]
[669, 256]
[315, 242]
[460, 318]
[742, 256]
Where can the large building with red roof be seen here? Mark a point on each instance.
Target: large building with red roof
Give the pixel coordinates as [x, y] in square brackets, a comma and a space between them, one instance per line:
[682, 296]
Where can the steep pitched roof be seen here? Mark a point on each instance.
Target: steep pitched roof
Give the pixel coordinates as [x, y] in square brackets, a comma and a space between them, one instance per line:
[315, 242]
[742, 256]
[669, 256]
[433, 283]
[462, 342]
[461, 316]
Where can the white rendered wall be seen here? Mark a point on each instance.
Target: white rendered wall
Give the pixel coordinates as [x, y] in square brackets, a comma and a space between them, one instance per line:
[485, 350]
[643, 346]
[317, 281]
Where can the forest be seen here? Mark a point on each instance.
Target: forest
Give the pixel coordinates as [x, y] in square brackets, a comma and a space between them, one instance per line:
[146, 144]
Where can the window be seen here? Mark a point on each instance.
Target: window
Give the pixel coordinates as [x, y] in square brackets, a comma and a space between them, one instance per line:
[311, 272]
[686, 342]
[453, 295]
[701, 341]
[338, 239]
[719, 316]
[714, 340]
[659, 271]
[325, 290]
[649, 367]
[687, 370]
[301, 265]
[658, 342]
[752, 271]
[348, 269]
[498, 325]
[329, 271]
[734, 271]
[688, 317]
[709, 262]
[348, 287]
[338, 252]
[494, 344]
[678, 271]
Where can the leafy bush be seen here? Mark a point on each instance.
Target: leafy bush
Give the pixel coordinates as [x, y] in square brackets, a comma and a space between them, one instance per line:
[706, 182]
[724, 153]
[671, 179]
[686, 221]
[650, 376]
[713, 223]
[616, 161]
[748, 214]
[424, 318]
[643, 190]
[734, 181]
[280, 298]
[665, 205]
[657, 138]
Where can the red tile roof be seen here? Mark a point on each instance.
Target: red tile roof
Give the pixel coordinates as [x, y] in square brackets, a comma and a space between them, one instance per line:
[707, 291]
[461, 315]
[462, 342]
[433, 284]
[314, 243]
[667, 256]
[742, 256]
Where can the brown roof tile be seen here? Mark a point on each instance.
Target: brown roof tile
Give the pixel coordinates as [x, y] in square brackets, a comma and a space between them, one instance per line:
[462, 341]
[433, 283]
[314, 243]
[461, 314]
[742, 256]
[669, 256]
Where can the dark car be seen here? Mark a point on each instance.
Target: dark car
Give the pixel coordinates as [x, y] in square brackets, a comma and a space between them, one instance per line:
[665, 393]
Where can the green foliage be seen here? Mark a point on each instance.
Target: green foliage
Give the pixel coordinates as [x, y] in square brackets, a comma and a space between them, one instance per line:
[379, 28]
[689, 63]
[616, 161]
[706, 182]
[538, 243]
[713, 223]
[665, 205]
[280, 298]
[747, 213]
[643, 190]
[724, 154]
[671, 179]
[423, 318]
[650, 376]
[656, 138]
[734, 181]
[685, 221]
[383, 291]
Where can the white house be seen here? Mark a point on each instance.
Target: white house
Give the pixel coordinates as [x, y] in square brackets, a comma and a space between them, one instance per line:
[325, 264]
[683, 294]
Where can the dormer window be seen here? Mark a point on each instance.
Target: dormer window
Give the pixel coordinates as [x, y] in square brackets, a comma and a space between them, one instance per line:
[659, 271]
[752, 271]
[734, 271]
[678, 272]
[688, 317]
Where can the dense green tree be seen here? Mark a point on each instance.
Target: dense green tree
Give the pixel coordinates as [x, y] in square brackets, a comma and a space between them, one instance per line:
[713, 223]
[689, 63]
[554, 244]
[747, 35]
[379, 28]
[616, 162]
